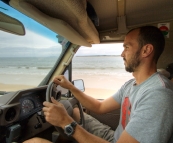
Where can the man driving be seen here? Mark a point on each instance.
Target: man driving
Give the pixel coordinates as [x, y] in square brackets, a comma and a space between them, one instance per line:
[146, 102]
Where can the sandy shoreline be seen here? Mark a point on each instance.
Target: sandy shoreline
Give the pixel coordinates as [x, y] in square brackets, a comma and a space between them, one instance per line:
[99, 93]
[94, 92]
[97, 86]
[12, 87]
[102, 86]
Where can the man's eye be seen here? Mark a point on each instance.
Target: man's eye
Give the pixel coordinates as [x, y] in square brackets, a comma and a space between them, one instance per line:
[126, 47]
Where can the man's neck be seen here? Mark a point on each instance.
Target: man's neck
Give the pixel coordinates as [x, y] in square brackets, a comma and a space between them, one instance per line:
[142, 74]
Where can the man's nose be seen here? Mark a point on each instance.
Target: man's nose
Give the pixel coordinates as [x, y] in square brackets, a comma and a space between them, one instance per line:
[122, 54]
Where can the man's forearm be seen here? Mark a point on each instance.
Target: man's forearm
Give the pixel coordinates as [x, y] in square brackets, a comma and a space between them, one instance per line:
[87, 101]
[99, 107]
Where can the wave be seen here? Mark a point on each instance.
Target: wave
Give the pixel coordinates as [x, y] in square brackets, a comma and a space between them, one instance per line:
[90, 68]
[23, 67]
[44, 67]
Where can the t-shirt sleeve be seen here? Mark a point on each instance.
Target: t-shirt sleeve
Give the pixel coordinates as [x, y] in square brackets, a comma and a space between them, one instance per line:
[152, 117]
[118, 95]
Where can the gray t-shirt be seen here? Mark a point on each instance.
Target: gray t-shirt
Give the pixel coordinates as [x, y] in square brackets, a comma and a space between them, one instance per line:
[146, 110]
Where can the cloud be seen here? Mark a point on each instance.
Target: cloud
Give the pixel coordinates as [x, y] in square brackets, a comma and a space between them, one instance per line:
[30, 52]
[30, 40]
[30, 45]
[101, 49]
[33, 44]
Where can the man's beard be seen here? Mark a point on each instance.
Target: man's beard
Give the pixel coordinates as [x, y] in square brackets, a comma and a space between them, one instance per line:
[133, 63]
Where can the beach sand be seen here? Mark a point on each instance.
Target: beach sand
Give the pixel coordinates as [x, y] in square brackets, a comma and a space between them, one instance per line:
[12, 87]
[102, 86]
[97, 86]
[9, 82]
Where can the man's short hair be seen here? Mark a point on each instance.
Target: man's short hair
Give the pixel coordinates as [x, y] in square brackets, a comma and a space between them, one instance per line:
[151, 35]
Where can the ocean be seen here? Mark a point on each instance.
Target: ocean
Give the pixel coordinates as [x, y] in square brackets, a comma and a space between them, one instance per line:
[42, 65]
[99, 65]
[32, 70]
[16, 73]
[26, 65]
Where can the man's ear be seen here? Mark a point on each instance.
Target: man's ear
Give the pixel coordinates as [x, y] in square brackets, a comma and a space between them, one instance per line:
[147, 50]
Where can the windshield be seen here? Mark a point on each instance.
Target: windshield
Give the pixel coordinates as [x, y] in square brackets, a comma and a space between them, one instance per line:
[26, 60]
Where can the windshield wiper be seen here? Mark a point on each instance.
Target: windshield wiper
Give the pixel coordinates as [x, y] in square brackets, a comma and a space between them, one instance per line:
[3, 8]
[3, 92]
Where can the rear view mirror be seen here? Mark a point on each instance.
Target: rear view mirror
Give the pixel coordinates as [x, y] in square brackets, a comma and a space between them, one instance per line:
[11, 25]
[79, 84]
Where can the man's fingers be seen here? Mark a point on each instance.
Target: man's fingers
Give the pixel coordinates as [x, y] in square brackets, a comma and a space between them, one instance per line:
[47, 104]
[54, 101]
[58, 79]
[45, 109]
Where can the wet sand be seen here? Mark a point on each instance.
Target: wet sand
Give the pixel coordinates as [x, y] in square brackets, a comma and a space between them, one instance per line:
[97, 86]
[12, 87]
[102, 86]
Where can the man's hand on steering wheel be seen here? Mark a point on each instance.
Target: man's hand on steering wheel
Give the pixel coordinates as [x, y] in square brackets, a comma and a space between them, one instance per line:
[63, 82]
[56, 114]
[59, 113]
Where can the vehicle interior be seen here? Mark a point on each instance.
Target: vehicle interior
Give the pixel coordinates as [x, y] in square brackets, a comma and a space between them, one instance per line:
[76, 23]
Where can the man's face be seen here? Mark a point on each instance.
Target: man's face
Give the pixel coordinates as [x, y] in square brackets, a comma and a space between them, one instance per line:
[131, 53]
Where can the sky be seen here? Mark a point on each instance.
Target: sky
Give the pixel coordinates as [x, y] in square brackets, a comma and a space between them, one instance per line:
[101, 49]
[37, 28]
[38, 37]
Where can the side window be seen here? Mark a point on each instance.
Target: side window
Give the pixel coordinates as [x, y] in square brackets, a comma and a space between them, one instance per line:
[66, 74]
[101, 68]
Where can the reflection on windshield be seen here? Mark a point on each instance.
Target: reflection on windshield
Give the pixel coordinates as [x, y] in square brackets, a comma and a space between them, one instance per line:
[26, 60]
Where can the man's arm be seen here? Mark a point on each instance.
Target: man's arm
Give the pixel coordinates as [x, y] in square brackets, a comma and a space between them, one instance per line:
[61, 119]
[88, 102]
[126, 138]
[82, 136]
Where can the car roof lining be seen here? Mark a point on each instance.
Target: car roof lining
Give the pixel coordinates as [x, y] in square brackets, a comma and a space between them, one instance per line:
[116, 17]
[113, 17]
[150, 11]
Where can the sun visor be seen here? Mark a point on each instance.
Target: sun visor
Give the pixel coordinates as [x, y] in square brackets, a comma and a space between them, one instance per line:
[66, 18]
[58, 26]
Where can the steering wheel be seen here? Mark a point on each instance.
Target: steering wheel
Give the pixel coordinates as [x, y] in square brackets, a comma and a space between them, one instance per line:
[69, 104]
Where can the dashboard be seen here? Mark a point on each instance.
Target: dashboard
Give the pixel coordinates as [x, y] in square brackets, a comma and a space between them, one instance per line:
[20, 114]
[20, 105]
[30, 104]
